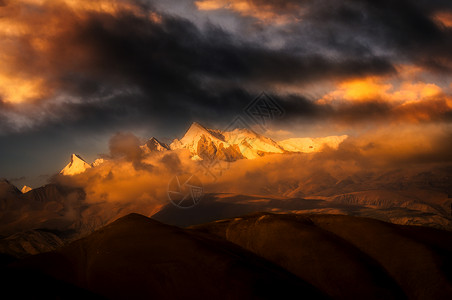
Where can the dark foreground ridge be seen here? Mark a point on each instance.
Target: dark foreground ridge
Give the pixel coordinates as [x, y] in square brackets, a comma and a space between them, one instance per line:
[348, 257]
[139, 258]
[258, 256]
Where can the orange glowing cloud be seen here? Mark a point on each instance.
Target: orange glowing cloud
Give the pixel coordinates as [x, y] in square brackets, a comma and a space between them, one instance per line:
[359, 90]
[374, 88]
[33, 45]
[262, 11]
[17, 90]
[444, 18]
[112, 7]
[404, 98]
[416, 91]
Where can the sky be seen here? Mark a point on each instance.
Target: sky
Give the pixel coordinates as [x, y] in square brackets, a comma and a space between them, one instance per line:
[74, 73]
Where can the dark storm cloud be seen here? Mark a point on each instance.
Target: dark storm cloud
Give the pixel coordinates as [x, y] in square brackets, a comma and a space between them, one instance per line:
[171, 66]
[125, 67]
[377, 111]
[168, 65]
[177, 68]
[407, 29]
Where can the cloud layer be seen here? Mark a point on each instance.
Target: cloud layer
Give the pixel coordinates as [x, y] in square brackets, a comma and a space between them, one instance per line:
[97, 67]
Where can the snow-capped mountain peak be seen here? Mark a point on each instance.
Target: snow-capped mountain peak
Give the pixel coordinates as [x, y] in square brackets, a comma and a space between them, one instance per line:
[244, 143]
[153, 145]
[194, 134]
[206, 143]
[229, 145]
[251, 144]
[76, 166]
[26, 189]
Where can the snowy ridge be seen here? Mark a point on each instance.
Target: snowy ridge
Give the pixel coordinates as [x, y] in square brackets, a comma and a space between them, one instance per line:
[232, 145]
[239, 143]
[193, 135]
[251, 144]
[204, 143]
[154, 145]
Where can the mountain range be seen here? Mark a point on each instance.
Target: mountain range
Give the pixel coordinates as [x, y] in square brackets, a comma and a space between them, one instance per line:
[418, 197]
[211, 144]
[204, 143]
[41, 219]
[317, 234]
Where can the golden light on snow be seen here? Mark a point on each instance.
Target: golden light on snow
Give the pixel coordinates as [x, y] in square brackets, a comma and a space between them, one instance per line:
[76, 166]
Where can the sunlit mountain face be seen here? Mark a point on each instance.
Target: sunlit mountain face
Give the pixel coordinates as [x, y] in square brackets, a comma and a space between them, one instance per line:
[197, 114]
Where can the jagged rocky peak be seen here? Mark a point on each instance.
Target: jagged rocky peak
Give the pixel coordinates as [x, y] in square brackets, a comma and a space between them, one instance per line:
[241, 143]
[196, 131]
[77, 166]
[154, 144]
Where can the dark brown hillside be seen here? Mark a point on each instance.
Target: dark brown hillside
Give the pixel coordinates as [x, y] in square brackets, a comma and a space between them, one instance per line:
[138, 258]
[348, 257]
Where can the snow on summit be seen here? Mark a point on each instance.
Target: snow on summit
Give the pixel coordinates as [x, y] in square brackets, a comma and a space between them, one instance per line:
[204, 143]
[76, 166]
[251, 144]
[26, 189]
[194, 134]
[243, 143]
[154, 145]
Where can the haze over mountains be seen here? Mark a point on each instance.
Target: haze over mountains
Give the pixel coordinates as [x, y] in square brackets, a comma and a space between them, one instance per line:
[276, 218]
[404, 196]
[242, 172]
